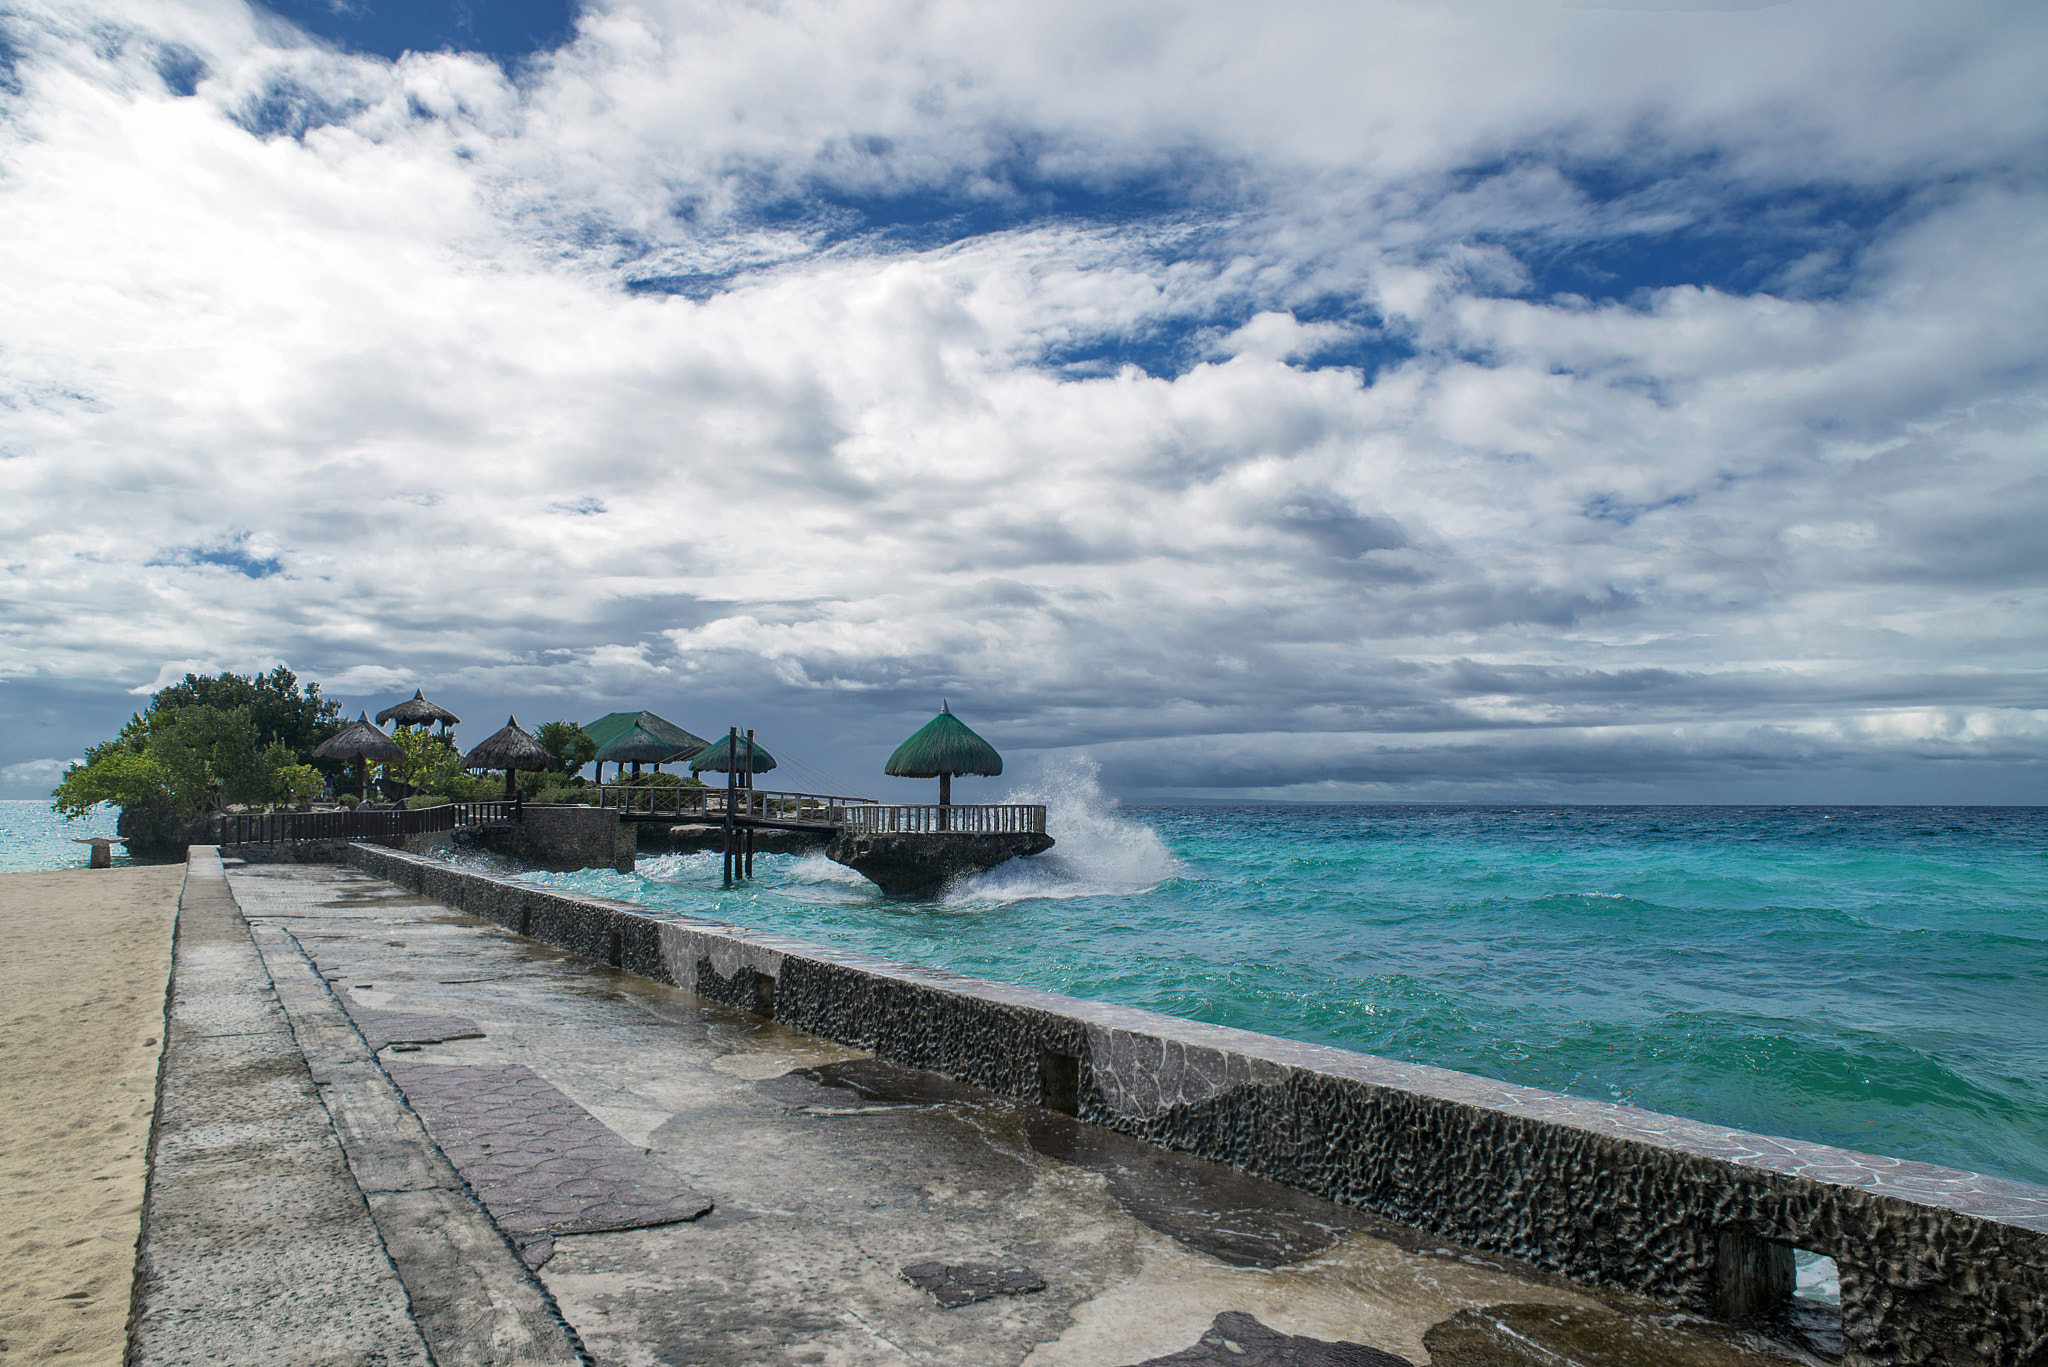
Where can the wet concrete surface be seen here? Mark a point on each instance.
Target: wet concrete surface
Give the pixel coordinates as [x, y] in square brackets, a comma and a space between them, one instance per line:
[828, 1174]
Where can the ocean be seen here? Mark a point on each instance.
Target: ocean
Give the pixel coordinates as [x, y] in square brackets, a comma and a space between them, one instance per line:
[1871, 977]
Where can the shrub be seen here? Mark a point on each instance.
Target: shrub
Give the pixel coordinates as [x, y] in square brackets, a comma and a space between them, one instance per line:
[348, 800]
[420, 800]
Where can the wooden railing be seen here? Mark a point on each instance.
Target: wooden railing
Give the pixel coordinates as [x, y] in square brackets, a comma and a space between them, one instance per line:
[708, 803]
[270, 828]
[976, 817]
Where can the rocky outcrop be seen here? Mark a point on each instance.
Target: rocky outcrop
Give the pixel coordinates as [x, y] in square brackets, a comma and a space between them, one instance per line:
[920, 863]
[152, 833]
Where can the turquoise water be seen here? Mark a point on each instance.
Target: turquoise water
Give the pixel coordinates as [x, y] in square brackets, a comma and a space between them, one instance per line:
[34, 837]
[1870, 977]
[1875, 978]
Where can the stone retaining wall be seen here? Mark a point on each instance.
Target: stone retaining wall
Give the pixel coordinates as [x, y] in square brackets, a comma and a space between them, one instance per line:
[1936, 1265]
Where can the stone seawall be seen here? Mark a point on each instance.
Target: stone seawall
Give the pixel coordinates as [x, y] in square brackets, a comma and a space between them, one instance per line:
[1936, 1265]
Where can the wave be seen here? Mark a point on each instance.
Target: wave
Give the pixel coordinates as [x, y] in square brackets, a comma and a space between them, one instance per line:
[1097, 853]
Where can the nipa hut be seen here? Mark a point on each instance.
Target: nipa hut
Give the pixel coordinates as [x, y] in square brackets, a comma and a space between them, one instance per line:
[718, 757]
[511, 749]
[609, 727]
[941, 748]
[636, 746]
[362, 743]
[417, 711]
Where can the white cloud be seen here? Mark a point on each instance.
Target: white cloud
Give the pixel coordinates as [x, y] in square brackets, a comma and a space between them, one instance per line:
[371, 393]
[39, 774]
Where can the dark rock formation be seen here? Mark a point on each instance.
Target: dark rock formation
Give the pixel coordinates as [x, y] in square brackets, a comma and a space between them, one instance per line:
[150, 833]
[917, 864]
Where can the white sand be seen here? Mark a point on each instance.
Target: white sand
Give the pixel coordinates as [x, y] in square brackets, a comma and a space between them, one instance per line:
[85, 957]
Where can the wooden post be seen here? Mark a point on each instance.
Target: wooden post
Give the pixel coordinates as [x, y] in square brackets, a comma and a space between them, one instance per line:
[750, 800]
[945, 801]
[732, 773]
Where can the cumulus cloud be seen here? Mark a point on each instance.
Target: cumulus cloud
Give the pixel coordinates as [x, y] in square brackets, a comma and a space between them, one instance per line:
[1315, 391]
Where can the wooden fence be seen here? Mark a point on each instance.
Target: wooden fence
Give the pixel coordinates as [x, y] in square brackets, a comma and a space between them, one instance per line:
[271, 828]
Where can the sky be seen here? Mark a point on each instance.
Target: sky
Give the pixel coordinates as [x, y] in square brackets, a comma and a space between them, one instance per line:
[1310, 401]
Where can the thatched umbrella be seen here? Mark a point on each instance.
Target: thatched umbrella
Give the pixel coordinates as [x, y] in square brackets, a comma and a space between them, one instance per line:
[362, 743]
[608, 727]
[718, 757]
[941, 748]
[635, 745]
[417, 711]
[509, 750]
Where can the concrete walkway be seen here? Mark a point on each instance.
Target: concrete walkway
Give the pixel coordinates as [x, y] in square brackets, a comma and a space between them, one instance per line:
[433, 1140]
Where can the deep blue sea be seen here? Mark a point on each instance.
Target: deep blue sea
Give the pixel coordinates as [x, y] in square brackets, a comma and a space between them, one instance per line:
[1875, 978]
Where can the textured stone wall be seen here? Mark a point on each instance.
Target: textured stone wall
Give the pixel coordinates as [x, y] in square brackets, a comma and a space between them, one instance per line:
[1937, 1266]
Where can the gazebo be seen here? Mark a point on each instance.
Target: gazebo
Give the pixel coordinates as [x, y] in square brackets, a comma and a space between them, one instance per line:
[635, 745]
[718, 757]
[682, 744]
[510, 749]
[417, 711]
[362, 743]
[941, 748]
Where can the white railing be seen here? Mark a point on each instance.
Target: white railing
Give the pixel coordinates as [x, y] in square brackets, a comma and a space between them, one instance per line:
[974, 817]
[709, 803]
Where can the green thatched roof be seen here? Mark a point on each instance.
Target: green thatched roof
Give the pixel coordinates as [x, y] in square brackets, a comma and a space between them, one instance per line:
[717, 757]
[682, 744]
[511, 748]
[635, 745]
[360, 740]
[944, 745]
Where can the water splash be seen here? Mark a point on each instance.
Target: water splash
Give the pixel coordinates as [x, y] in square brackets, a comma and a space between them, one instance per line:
[1098, 853]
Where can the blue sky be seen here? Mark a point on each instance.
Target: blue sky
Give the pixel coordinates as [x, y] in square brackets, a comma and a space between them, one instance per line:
[1630, 402]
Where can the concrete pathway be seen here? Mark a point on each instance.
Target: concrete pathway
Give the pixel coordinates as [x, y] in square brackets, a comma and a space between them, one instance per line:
[433, 1140]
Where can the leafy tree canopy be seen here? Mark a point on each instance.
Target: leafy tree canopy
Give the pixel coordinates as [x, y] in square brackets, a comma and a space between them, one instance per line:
[206, 743]
[278, 708]
[571, 746]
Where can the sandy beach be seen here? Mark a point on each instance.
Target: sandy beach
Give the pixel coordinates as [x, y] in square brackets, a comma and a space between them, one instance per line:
[82, 988]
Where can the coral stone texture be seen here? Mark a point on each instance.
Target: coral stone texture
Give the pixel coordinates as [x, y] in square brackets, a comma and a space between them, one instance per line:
[82, 983]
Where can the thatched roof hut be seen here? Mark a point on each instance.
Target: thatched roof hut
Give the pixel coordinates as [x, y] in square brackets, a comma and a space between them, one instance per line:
[718, 757]
[510, 749]
[941, 748]
[417, 711]
[362, 743]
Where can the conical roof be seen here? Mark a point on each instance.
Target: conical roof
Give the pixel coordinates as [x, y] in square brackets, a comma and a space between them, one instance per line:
[683, 744]
[417, 711]
[359, 740]
[718, 757]
[944, 745]
[511, 748]
[635, 745]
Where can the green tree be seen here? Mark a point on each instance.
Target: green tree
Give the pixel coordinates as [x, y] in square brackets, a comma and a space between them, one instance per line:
[571, 746]
[430, 762]
[211, 757]
[112, 773]
[278, 708]
[205, 742]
